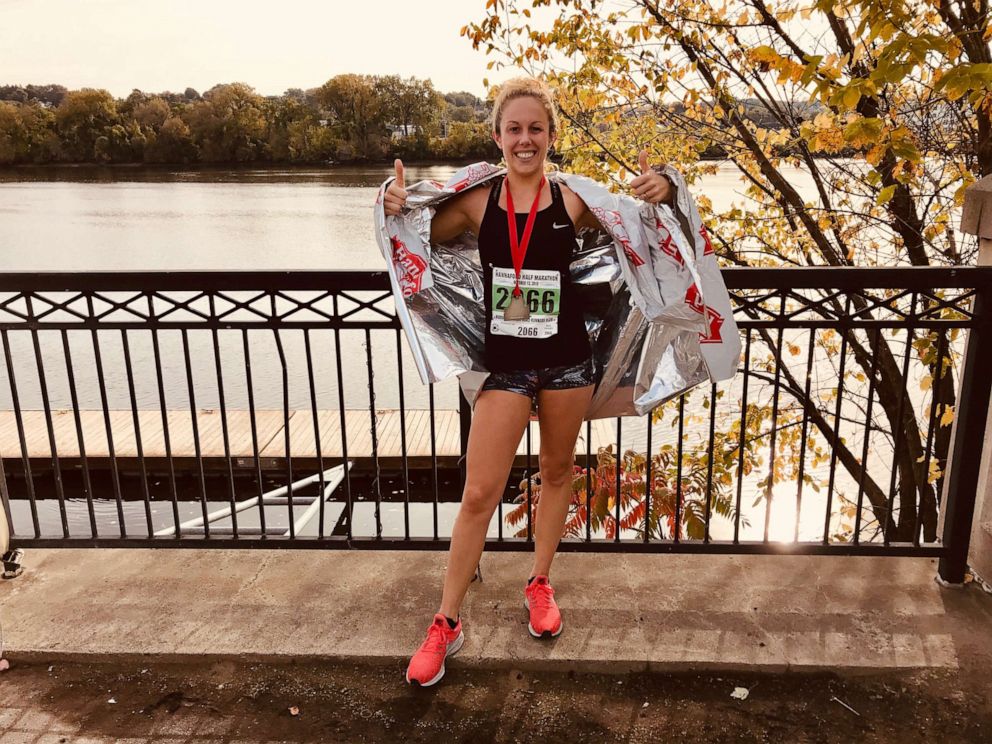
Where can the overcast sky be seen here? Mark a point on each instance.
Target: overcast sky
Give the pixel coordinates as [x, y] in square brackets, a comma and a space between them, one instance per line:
[158, 45]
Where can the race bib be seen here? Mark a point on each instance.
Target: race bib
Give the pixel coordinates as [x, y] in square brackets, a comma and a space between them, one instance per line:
[542, 294]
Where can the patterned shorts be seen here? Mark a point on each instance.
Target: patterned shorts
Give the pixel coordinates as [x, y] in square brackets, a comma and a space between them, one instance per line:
[529, 381]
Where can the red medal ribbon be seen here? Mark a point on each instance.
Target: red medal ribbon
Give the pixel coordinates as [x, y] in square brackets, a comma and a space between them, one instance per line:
[519, 249]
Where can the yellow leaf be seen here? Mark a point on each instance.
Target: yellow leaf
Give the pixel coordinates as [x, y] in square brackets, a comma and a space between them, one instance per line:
[874, 155]
[948, 416]
[764, 54]
[851, 97]
[862, 132]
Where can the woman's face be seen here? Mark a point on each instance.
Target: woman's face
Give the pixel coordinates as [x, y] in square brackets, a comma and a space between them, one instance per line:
[525, 135]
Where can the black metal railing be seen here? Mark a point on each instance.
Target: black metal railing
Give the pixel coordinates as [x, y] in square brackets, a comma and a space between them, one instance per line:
[282, 410]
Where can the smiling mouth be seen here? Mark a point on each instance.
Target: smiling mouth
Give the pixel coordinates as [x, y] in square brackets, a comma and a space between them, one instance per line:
[527, 155]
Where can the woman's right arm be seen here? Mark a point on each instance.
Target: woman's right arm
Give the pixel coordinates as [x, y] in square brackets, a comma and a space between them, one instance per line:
[451, 219]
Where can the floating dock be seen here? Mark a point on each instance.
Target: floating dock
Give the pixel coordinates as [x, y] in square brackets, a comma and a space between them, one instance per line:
[207, 440]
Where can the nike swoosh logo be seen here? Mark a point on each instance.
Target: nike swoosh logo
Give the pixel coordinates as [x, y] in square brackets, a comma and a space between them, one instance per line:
[556, 226]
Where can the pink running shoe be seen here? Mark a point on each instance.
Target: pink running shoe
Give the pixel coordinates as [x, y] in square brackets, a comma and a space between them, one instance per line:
[427, 665]
[539, 599]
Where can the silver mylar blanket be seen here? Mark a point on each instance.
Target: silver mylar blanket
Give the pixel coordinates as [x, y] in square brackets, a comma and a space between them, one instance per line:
[656, 307]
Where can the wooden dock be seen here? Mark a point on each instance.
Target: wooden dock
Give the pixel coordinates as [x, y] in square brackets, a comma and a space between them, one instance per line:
[270, 433]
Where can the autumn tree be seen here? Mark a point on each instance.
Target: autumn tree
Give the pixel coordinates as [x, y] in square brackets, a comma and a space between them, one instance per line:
[170, 142]
[88, 125]
[152, 113]
[885, 105]
[47, 95]
[27, 134]
[295, 131]
[467, 140]
[364, 111]
[358, 114]
[228, 125]
[411, 104]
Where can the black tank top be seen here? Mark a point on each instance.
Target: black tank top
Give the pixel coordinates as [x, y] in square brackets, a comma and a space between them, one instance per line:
[555, 335]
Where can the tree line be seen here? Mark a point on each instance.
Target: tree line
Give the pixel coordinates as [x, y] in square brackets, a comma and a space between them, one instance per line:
[350, 118]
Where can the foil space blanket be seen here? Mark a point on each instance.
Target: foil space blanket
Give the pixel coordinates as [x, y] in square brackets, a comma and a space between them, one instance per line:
[655, 305]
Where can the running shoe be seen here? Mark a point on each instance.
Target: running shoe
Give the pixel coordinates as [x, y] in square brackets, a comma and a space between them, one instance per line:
[539, 599]
[427, 665]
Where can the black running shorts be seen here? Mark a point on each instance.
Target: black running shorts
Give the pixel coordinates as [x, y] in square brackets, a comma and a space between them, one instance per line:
[529, 381]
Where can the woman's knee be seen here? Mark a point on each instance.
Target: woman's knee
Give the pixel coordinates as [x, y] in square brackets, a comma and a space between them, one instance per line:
[478, 501]
[556, 472]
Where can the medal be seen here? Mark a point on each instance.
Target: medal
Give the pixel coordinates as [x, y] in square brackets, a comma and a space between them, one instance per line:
[517, 308]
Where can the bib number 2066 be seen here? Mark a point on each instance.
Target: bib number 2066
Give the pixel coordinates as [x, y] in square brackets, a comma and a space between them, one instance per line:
[544, 301]
[542, 294]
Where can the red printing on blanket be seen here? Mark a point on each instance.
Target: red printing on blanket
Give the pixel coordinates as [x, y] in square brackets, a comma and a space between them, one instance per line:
[714, 321]
[667, 245]
[410, 267]
[708, 249]
[611, 220]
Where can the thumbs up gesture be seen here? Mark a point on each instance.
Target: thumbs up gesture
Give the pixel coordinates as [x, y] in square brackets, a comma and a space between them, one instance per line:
[395, 197]
[650, 186]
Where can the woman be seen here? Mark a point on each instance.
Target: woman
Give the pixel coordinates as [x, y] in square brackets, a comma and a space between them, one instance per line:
[536, 349]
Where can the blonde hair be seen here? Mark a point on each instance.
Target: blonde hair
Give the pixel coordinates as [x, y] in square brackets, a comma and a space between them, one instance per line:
[519, 87]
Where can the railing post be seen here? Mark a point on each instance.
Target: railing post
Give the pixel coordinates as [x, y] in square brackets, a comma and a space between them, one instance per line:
[969, 488]
[966, 457]
[464, 424]
[976, 219]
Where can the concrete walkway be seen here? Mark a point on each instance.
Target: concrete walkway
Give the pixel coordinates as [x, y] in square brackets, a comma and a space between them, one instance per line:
[621, 613]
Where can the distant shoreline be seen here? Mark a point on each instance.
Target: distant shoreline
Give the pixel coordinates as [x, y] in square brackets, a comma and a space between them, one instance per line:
[246, 167]
[240, 166]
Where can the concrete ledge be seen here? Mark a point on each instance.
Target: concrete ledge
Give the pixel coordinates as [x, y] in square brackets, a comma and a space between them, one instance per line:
[621, 613]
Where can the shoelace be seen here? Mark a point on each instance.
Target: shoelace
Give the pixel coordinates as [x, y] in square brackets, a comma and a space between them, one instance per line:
[436, 641]
[540, 595]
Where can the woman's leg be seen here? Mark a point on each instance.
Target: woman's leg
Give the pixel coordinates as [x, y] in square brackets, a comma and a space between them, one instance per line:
[561, 413]
[498, 422]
